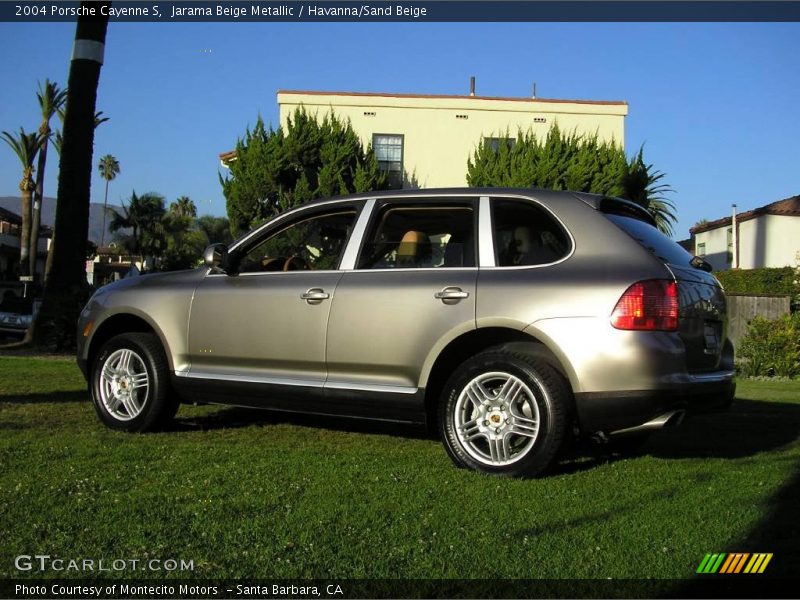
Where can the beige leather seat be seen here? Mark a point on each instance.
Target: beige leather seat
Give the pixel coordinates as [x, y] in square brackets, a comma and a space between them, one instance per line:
[414, 250]
[525, 245]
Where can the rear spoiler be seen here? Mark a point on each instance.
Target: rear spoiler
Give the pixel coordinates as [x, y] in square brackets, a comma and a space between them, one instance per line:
[617, 206]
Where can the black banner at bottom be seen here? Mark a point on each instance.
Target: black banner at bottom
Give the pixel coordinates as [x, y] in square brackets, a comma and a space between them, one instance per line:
[714, 586]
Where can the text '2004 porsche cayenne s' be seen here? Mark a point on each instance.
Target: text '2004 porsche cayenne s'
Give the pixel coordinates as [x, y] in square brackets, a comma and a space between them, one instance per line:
[509, 319]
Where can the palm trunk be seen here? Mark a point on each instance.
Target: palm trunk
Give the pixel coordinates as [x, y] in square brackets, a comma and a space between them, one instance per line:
[36, 219]
[67, 288]
[105, 210]
[25, 233]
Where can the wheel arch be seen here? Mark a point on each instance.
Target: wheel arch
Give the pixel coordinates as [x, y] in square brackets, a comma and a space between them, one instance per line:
[123, 322]
[477, 340]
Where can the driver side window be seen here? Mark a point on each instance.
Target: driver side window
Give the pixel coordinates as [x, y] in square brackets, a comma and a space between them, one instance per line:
[313, 244]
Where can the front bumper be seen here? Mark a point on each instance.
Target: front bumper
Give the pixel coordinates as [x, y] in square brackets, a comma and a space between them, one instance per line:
[612, 411]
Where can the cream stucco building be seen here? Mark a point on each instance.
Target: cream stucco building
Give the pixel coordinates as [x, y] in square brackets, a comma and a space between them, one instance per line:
[768, 236]
[425, 140]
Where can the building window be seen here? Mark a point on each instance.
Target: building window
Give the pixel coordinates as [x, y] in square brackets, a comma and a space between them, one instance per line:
[730, 245]
[494, 142]
[388, 150]
[701, 249]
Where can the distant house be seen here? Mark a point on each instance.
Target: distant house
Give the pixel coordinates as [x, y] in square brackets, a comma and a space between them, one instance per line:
[10, 223]
[768, 236]
[424, 140]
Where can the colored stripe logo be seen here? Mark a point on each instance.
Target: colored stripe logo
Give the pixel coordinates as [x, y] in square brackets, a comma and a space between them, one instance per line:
[734, 562]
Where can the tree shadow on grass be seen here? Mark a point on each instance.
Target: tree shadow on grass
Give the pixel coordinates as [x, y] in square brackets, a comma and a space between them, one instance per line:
[778, 532]
[50, 397]
[748, 428]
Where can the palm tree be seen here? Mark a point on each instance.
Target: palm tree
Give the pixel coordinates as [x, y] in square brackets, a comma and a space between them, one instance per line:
[643, 186]
[109, 169]
[51, 100]
[216, 229]
[66, 290]
[183, 207]
[25, 146]
[144, 216]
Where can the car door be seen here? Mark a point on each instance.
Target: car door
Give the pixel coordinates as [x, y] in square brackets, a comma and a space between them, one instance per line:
[265, 322]
[412, 288]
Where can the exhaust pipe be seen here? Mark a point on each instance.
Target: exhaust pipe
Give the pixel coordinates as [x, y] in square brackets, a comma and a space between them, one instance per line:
[668, 419]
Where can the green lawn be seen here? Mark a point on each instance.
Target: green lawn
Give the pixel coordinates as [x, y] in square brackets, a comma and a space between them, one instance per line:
[249, 494]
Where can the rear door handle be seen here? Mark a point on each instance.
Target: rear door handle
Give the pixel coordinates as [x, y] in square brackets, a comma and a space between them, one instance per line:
[317, 294]
[451, 293]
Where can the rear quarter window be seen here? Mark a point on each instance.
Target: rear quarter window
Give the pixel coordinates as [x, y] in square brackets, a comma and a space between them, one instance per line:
[653, 240]
[526, 234]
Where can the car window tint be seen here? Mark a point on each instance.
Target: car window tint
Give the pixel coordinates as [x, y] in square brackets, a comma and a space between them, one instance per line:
[418, 237]
[312, 244]
[526, 234]
[652, 239]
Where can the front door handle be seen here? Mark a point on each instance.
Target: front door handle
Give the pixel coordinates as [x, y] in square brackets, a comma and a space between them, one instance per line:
[451, 293]
[315, 295]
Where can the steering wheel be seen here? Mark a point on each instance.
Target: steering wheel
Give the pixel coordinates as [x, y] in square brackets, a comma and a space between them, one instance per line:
[295, 263]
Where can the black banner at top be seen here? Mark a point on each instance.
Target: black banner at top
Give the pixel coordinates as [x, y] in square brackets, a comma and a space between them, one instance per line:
[322, 11]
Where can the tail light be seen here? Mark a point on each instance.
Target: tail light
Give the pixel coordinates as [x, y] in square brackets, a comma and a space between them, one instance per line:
[648, 306]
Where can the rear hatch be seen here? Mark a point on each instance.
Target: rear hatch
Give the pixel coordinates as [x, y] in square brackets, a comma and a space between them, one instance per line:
[702, 310]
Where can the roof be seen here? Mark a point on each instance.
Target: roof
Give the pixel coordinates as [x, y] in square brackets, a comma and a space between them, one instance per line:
[10, 216]
[788, 207]
[453, 96]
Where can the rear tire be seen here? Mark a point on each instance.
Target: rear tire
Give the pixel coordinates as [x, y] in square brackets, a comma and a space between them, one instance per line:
[130, 384]
[504, 412]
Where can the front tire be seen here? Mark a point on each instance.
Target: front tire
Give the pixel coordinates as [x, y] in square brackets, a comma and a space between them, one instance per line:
[504, 412]
[130, 383]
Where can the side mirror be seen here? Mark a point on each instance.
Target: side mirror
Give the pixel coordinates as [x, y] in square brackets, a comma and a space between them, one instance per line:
[702, 264]
[215, 257]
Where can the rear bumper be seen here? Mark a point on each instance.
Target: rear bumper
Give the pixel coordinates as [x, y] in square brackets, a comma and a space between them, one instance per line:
[612, 411]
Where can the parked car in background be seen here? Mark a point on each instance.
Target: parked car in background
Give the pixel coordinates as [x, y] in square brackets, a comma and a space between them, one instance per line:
[510, 319]
[16, 314]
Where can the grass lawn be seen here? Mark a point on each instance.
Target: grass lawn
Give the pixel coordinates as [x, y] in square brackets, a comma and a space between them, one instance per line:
[246, 494]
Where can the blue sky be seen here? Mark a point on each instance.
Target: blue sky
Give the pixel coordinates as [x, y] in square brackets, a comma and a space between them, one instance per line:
[716, 105]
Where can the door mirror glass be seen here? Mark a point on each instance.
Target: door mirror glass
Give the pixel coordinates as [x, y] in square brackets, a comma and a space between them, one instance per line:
[215, 257]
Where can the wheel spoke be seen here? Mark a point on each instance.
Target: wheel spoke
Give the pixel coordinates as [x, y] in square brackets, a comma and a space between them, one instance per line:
[124, 363]
[499, 449]
[510, 390]
[140, 381]
[523, 425]
[109, 372]
[477, 393]
[128, 404]
[114, 400]
[471, 430]
[523, 429]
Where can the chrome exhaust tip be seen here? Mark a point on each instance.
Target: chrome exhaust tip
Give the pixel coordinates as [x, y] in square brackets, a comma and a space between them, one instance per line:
[672, 418]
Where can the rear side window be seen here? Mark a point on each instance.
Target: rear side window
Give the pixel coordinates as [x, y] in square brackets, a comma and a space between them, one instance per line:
[420, 237]
[526, 234]
[653, 240]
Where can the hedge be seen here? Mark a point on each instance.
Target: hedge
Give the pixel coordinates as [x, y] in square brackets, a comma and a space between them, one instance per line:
[781, 280]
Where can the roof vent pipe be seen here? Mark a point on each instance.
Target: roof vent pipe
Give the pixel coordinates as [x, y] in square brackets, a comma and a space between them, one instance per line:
[534, 91]
[472, 86]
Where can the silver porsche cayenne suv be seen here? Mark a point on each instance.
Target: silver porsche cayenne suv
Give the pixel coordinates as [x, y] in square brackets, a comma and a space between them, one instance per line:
[509, 319]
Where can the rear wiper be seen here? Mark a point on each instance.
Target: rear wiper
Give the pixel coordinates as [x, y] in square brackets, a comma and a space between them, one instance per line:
[700, 263]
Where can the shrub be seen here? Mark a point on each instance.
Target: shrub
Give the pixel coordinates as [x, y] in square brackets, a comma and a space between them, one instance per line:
[771, 347]
[759, 281]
